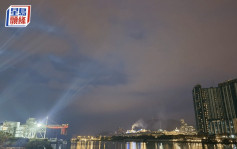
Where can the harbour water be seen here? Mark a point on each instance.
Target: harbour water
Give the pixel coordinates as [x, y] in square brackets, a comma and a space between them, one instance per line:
[147, 145]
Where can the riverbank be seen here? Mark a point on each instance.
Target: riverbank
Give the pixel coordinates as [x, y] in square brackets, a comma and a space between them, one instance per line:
[160, 138]
[173, 138]
[26, 143]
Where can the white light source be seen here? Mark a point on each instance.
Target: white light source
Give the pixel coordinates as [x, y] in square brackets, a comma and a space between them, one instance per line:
[39, 125]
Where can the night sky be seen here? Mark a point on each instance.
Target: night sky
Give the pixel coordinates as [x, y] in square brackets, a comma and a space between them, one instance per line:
[103, 64]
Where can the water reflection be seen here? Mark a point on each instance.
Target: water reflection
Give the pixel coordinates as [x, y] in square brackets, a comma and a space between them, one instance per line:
[147, 145]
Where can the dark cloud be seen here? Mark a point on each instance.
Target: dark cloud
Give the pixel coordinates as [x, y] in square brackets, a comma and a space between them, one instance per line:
[104, 64]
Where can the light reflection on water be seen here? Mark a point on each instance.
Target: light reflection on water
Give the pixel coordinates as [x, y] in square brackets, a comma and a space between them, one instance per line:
[147, 145]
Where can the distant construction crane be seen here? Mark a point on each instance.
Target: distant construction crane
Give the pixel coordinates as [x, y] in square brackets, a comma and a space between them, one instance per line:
[43, 129]
[63, 128]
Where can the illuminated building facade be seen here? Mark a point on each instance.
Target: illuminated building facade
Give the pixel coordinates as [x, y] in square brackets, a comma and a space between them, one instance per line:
[216, 108]
[200, 107]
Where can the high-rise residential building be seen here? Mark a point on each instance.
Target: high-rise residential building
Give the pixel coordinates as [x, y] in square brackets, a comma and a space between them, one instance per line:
[216, 108]
[200, 107]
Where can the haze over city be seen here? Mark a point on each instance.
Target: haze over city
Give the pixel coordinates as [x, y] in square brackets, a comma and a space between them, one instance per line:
[100, 65]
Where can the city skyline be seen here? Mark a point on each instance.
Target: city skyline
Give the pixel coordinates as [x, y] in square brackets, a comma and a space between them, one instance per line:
[100, 65]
